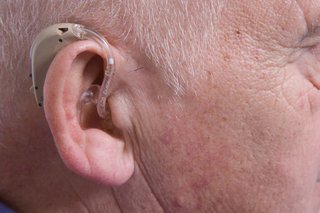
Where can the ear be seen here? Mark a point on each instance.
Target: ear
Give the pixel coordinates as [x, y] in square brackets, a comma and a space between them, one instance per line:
[83, 142]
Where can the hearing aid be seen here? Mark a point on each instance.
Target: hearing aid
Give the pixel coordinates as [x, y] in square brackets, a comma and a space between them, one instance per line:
[46, 46]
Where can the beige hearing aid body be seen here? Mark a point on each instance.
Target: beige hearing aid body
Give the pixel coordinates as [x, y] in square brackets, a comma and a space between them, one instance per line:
[50, 41]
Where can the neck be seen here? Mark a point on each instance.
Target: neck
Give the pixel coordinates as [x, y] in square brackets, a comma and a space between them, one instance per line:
[39, 182]
[47, 190]
[34, 179]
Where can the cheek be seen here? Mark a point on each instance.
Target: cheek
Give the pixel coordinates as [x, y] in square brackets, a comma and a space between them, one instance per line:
[229, 144]
[179, 159]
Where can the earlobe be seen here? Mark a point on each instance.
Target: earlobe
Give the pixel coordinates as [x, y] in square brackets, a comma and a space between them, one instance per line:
[87, 150]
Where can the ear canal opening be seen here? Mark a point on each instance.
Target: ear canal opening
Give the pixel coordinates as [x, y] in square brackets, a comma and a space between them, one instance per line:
[89, 117]
[91, 95]
[88, 100]
[93, 77]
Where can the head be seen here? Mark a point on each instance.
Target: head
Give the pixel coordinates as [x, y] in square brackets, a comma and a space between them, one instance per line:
[214, 107]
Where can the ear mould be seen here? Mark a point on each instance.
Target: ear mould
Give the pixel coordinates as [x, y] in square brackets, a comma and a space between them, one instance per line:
[50, 41]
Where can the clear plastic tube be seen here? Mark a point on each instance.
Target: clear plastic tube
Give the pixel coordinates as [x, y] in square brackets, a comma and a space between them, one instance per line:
[83, 33]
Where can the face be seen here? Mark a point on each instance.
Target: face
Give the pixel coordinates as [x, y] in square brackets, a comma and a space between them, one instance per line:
[243, 134]
[246, 139]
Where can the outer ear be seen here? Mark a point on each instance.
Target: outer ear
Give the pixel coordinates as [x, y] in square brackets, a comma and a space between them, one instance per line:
[91, 152]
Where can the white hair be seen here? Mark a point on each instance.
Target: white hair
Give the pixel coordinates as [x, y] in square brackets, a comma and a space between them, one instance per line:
[172, 34]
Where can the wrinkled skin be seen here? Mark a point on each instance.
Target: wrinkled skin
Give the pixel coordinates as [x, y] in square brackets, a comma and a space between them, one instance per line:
[246, 141]
[249, 142]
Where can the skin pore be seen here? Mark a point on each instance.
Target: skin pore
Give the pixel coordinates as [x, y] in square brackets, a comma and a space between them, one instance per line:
[239, 133]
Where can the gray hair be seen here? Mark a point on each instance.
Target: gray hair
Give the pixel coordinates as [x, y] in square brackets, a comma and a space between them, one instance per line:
[171, 34]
